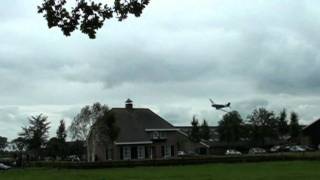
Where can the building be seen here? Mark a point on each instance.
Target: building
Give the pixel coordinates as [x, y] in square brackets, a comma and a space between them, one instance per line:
[213, 130]
[311, 133]
[143, 135]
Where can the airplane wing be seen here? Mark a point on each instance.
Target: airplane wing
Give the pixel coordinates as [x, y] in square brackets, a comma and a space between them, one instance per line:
[223, 110]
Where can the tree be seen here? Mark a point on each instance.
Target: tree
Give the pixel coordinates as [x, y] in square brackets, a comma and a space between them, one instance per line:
[53, 147]
[263, 125]
[204, 130]
[61, 139]
[36, 134]
[87, 15]
[61, 132]
[230, 127]
[295, 128]
[19, 144]
[106, 127]
[195, 130]
[3, 143]
[81, 124]
[283, 127]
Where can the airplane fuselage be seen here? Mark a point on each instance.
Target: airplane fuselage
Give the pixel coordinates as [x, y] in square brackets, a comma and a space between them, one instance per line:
[218, 106]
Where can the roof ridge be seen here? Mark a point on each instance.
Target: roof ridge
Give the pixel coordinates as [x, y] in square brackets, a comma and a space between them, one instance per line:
[126, 108]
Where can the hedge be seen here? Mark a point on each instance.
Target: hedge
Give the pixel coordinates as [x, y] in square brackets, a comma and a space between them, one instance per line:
[167, 162]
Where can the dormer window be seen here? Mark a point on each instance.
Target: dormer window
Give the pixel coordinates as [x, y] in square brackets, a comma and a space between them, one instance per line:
[159, 135]
[155, 135]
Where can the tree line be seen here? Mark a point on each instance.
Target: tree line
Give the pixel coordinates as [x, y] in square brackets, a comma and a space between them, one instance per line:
[34, 143]
[258, 127]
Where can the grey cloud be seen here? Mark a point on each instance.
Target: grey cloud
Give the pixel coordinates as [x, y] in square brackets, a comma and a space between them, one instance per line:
[139, 67]
[13, 118]
[177, 116]
[245, 107]
[296, 75]
[11, 121]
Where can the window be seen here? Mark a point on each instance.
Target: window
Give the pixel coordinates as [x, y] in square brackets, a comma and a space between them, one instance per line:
[155, 135]
[109, 153]
[167, 151]
[126, 153]
[141, 152]
[163, 135]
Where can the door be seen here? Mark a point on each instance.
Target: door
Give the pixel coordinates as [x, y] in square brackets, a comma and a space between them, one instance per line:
[134, 152]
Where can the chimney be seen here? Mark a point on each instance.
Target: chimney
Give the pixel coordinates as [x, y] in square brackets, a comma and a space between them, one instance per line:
[129, 104]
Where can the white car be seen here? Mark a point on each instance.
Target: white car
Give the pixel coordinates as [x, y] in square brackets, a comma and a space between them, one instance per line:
[73, 158]
[232, 152]
[275, 149]
[297, 149]
[181, 153]
[257, 151]
[4, 167]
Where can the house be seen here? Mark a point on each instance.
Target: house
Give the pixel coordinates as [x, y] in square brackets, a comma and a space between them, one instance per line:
[143, 135]
[311, 133]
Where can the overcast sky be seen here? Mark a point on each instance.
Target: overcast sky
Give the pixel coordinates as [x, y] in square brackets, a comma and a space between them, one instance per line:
[252, 53]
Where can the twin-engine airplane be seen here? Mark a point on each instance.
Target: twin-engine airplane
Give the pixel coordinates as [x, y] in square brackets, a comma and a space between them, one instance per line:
[220, 106]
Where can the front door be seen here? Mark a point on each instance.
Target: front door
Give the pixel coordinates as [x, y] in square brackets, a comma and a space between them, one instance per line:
[134, 152]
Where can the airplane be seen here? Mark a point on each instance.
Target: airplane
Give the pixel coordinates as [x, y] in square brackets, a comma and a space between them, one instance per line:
[220, 106]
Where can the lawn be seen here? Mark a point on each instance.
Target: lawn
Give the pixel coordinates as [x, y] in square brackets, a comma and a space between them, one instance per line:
[294, 170]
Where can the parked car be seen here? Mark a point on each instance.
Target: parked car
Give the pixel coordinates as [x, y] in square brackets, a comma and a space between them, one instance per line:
[297, 149]
[73, 158]
[275, 149]
[4, 167]
[48, 158]
[308, 148]
[257, 151]
[232, 152]
[285, 148]
[181, 153]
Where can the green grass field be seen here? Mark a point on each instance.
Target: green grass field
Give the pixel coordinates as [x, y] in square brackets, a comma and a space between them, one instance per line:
[294, 170]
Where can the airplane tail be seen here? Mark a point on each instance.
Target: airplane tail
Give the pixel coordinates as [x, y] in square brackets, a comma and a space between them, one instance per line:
[228, 105]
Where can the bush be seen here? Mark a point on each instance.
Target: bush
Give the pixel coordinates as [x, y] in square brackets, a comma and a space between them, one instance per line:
[178, 161]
